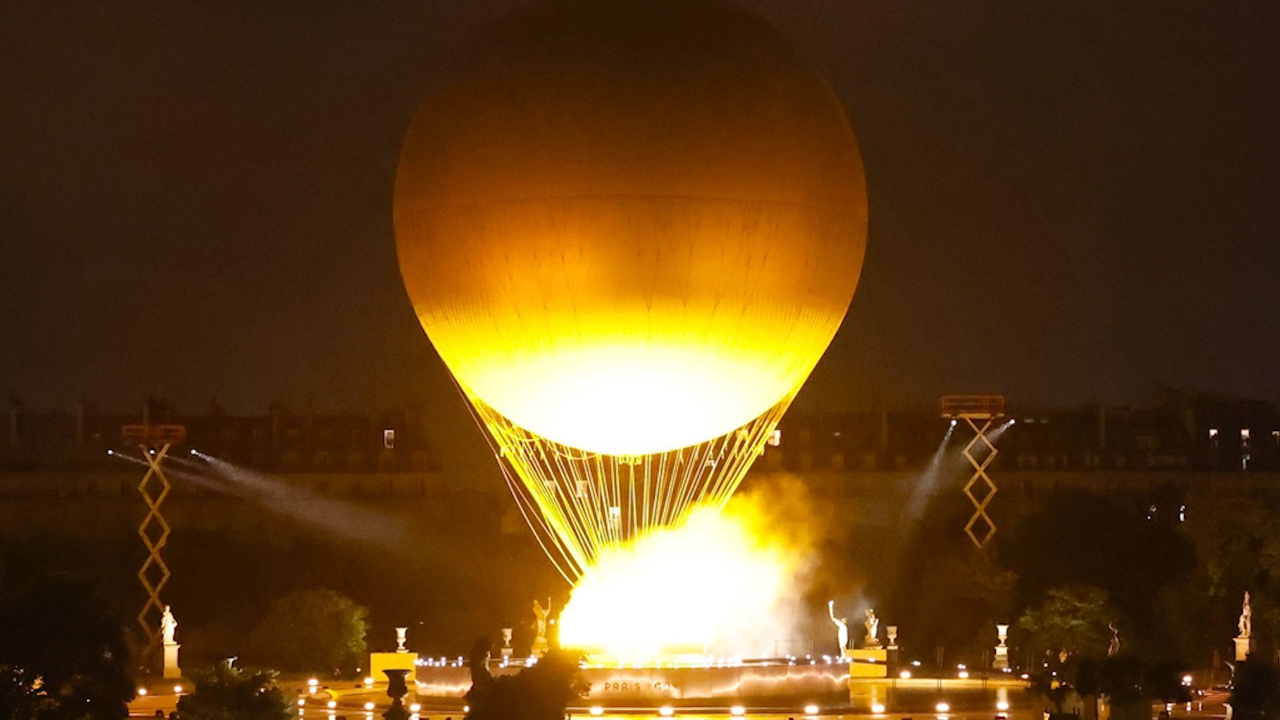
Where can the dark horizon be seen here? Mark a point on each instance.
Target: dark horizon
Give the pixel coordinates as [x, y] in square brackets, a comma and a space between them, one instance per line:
[1067, 204]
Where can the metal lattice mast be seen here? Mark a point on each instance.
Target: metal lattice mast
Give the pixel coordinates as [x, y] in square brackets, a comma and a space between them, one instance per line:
[155, 442]
[980, 473]
[974, 409]
[154, 557]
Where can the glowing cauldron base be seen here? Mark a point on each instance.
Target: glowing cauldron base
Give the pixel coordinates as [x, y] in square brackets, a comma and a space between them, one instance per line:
[780, 685]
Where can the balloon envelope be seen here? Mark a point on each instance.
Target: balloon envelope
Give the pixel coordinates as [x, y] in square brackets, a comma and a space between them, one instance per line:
[631, 226]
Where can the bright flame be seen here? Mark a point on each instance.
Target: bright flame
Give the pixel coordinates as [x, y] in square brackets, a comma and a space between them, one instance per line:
[692, 589]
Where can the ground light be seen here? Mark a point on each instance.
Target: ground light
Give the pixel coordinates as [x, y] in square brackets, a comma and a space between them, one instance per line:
[368, 706]
[877, 708]
[415, 707]
[810, 709]
[177, 689]
[596, 710]
[142, 692]
[333, 704]
[942, 707]
[905, 674]
[666, 711]
[737, 711]
[1002, 706]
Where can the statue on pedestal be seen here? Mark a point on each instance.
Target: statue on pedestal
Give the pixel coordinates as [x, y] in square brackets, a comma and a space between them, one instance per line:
[891, 632]
[401, 636]
[506, 642]
[873, 628]
[1114, 648]
[1244, 641]
[540, 627]
[168, 626]
[842, 627]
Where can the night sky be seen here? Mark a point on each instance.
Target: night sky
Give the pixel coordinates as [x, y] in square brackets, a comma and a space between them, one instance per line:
[1069, 201]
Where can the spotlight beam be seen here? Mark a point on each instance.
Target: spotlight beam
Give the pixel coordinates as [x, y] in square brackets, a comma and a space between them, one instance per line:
[293, 501]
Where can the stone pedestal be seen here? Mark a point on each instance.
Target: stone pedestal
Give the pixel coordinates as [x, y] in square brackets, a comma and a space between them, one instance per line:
[540, 647]
[1001, 661]
[868, 662]
[1244, 646]
[381, 662]
[171, 669]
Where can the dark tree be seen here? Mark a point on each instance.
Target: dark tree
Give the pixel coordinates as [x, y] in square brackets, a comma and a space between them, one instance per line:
[312, 631]
[1052, 687]
[227, 693]
[1256, 694]
[1163, 682]
[541, 692]
[1071, 620]
[1087, 672]
[62, 655]
[1120, 681]
[17, 697]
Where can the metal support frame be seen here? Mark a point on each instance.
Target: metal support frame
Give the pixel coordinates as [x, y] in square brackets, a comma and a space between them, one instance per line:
[980, 473]
[154, 558]
[155, 442]
[973, 409]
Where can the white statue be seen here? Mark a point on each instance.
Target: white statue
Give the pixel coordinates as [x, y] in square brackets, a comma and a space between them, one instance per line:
[168, 626]
[540, 620]
[1114, 648]
[842, 627]
[401, 636]
[1246, 618]
[873, 629]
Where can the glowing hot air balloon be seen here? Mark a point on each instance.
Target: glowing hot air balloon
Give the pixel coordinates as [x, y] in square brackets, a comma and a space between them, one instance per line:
[630, 228]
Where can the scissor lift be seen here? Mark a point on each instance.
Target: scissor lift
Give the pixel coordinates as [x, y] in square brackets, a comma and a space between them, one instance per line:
[975, 409]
